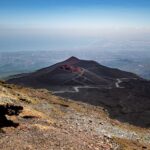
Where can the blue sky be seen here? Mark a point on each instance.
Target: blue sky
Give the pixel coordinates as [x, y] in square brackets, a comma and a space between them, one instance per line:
[65, 24]
[38, 4]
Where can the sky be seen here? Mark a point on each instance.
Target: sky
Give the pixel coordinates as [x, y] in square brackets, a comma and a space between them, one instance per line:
[74, 24]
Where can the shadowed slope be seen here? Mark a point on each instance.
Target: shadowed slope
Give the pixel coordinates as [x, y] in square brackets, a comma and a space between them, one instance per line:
[72, 71]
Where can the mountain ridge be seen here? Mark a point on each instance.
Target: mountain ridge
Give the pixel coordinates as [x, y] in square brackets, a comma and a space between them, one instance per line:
[89, 71]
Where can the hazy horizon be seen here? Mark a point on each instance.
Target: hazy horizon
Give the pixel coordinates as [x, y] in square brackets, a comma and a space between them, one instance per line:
[74, 25]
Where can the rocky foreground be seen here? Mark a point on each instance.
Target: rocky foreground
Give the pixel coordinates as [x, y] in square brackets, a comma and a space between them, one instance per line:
[48, 122]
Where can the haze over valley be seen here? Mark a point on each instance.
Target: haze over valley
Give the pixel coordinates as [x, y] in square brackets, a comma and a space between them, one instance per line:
[12, 63]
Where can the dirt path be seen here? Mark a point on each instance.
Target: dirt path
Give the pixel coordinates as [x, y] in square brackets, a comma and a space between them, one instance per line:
[117, 84]
[75, 89]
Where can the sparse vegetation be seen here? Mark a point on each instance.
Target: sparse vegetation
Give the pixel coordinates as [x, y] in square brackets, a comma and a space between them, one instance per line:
[51, 122]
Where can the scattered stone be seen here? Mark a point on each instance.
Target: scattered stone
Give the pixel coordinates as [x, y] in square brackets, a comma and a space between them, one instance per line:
[10, 110]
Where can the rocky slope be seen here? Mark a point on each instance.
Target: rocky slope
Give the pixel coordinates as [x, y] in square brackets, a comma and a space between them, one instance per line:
[123, 94]
[128, 102]
[48, 122]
